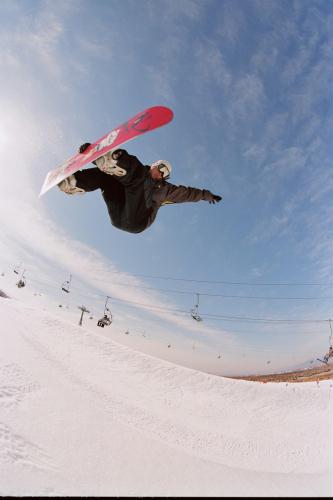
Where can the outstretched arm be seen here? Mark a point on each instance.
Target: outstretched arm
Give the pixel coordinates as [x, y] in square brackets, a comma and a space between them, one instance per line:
[182, 194]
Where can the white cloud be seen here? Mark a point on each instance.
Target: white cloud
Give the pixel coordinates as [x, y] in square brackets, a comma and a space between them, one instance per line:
[211, 67]
[287, 160]
[256, 153]
[170, 12]
[34, 39]
[231, 22]
[37, 42]
[247, 101]
[161, 81]
[296, 65]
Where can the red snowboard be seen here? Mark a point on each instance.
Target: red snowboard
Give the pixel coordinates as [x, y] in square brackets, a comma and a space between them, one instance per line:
[149, 119]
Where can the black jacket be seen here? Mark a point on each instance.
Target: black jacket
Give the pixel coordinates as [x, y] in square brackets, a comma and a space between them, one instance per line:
[159, 193]
[134, 199]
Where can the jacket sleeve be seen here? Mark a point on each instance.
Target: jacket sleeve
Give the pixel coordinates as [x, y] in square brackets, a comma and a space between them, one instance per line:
[182, 194]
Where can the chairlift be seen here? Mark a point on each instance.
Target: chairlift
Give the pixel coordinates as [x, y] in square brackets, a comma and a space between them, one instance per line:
[219, 356]
[66, 285]
[107, 318]
[194, 312]
[105, 321]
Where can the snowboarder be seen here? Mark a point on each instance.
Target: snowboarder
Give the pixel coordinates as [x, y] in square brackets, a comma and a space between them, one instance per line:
[133, 192]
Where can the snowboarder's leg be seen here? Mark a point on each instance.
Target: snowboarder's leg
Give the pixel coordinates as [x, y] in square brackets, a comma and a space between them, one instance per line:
[124, 195]
[114, 196]
[121, 166]
[135, 171]
[131, 209]
[91, 179]
[112, 191]
[136, 213]
[82, 181]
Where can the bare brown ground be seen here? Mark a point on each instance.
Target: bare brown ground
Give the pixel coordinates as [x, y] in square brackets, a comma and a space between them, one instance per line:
[316, 374]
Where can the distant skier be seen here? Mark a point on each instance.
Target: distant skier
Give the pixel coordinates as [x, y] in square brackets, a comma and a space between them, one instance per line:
[329, 354]
[133, 192]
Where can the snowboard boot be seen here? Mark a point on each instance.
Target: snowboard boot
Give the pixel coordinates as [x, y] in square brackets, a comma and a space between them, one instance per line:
[108, 163]
[68, 186]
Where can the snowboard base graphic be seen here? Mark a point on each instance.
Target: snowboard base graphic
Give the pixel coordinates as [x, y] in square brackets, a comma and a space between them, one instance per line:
[148, 120]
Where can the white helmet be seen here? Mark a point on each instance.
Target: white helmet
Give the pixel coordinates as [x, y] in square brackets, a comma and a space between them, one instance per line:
[164, 167]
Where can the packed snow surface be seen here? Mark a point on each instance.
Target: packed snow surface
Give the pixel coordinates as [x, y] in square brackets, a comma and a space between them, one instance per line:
[82, 415]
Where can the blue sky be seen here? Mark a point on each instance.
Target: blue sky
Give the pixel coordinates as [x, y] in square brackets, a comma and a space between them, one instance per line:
[250, 84]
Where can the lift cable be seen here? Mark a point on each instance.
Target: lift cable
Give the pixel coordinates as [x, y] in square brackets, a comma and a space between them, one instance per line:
[217, 282]
[217, 295]
[209, 315]
[185, 292]
[224, 317]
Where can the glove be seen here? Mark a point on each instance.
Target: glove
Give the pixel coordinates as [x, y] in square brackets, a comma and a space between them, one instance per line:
[84, 146]
[117, 153]
[212, 198]
[215, 198]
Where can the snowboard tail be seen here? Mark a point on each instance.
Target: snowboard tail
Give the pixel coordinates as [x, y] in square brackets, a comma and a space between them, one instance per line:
[147, 120]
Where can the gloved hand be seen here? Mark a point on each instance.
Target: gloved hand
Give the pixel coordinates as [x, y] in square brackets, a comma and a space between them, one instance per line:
[215, 198]
[84, 146]
[212, 198]
[117, 153]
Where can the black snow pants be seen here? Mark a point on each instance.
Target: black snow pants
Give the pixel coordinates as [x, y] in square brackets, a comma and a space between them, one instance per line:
[124, 196]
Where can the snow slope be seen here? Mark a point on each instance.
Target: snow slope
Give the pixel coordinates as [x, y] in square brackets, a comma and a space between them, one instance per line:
[81, 415]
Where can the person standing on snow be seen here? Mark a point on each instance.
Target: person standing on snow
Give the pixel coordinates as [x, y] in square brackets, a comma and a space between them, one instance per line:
[133, 192]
